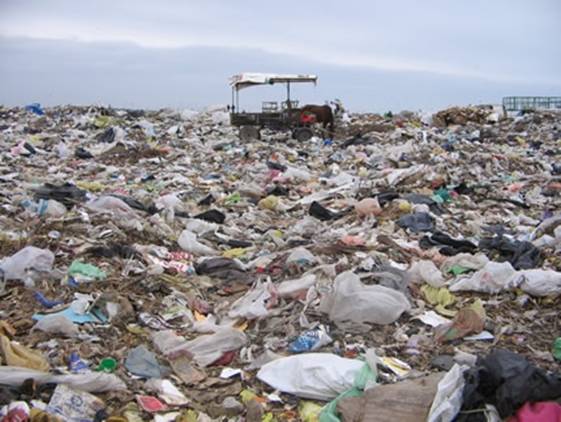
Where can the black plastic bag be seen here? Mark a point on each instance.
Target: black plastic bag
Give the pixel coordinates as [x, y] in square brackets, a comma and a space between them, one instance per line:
[417, 222]
[321, 213]
[507, 381]
[68, 194]
[449, 245]
[82, 153]
[521, 254]
[213, 216]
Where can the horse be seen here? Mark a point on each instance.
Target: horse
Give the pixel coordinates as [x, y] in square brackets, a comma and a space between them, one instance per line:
[323, 114]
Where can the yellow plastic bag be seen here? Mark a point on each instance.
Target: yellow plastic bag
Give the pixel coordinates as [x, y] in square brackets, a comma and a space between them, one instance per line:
[14, 354]
[441, 298]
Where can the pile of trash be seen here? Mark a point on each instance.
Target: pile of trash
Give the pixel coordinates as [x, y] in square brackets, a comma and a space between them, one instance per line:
[464, 115]
[155, 267]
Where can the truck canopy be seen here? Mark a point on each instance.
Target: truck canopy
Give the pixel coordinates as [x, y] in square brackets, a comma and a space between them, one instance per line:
[245, 80]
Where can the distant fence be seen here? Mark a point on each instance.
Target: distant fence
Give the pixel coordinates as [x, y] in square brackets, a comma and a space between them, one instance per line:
[531, 103]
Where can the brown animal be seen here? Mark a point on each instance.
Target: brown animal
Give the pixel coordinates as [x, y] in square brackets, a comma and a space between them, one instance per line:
[323, 115]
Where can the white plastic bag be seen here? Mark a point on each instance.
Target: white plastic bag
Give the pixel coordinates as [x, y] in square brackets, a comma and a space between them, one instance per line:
[426, 272]
[167, 391]
[496, 277]
[353, 301]
[252, 304]
[57, 324]
[207, 349]
[465, 260]
[55, 209]
[319, 376]
[492, 278]
[398, 175]
[292, 287]
[168, 201]
[110, 204]
[297, 174]
[29, 258]
[189, 243]
[448, 399]
[199, 227]
[92, 382]
[168, 343]
[540, 282]
[300, 255]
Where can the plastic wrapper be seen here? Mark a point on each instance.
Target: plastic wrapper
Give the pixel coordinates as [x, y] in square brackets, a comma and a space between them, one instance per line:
[309, 341]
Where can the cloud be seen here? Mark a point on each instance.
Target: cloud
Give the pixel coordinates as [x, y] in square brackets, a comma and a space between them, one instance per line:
[502, 40]
[126, 75]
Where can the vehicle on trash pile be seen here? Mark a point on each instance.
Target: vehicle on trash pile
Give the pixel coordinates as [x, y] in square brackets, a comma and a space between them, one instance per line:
[286, 115]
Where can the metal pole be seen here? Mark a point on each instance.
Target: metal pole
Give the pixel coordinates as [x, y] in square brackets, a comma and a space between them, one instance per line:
[237, 100]
[233, 98]
[288, 95]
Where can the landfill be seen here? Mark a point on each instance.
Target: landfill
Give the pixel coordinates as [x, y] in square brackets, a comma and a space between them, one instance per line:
[153, 266]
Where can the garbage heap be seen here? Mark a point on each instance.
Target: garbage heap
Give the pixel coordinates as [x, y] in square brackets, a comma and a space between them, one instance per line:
[154, 267]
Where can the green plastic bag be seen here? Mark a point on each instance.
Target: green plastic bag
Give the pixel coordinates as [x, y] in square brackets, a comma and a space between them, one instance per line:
[557, 348]
[85, 272]
[365, 375]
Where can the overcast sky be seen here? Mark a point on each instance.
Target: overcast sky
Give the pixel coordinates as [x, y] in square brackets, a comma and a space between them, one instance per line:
[372, 54]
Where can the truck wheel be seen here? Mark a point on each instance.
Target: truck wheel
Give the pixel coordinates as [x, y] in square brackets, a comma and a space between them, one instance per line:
[302, 134]
[249, 133]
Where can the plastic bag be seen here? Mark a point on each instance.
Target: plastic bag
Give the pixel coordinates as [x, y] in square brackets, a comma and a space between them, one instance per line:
[320, 376]
[110, 204]
[465, 260]
[14, 354]
[252, 305]
[300, 256]
[55, 209]
[189, 243]
[416, 222]
[200, 227]
[353, 301]
[29, 258]
[207, 349]
[168, 201]
[142, 362]
[73, 406]
[448, 399]
[84, 273]
[426, 272]
[540, 282]
[492, 278]
[297, 175]
[398, 175]
[167, 391]
[309, 341]
[404, 401]
[57, 324]
[294, 287]
[368, 207]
